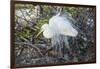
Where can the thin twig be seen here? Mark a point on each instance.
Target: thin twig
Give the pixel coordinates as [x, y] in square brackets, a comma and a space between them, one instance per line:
[29, 44]
[23, 15]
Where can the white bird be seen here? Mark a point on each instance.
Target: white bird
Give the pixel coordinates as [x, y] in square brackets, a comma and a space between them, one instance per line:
[57, 30]
[58, 25]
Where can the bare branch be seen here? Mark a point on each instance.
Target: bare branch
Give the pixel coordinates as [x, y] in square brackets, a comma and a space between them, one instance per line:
[29, 44]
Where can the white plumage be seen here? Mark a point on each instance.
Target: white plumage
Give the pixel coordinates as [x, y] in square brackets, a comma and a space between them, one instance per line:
[59, 25]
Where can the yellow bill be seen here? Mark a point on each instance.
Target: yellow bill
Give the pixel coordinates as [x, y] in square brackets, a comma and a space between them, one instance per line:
[39, 33]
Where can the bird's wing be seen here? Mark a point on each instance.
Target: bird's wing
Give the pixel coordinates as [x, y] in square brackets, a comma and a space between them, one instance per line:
[63, 26]
[66, 28]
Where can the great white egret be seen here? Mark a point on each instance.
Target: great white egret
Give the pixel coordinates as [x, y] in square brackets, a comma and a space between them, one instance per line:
[58, 25]
[58, 29]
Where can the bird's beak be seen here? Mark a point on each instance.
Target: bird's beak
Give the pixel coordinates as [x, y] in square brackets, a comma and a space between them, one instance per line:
[39, 33]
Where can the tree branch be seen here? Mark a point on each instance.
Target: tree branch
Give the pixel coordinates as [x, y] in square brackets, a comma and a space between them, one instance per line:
[31, 45]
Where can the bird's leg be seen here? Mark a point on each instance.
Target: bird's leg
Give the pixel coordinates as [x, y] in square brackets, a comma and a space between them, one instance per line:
[60, 46]
[59, 50]
[63, 49]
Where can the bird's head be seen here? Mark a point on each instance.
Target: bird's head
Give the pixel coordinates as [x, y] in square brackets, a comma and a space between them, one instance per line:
[43, 28]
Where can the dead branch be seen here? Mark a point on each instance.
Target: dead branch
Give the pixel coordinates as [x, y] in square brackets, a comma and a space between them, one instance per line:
[29, 44]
